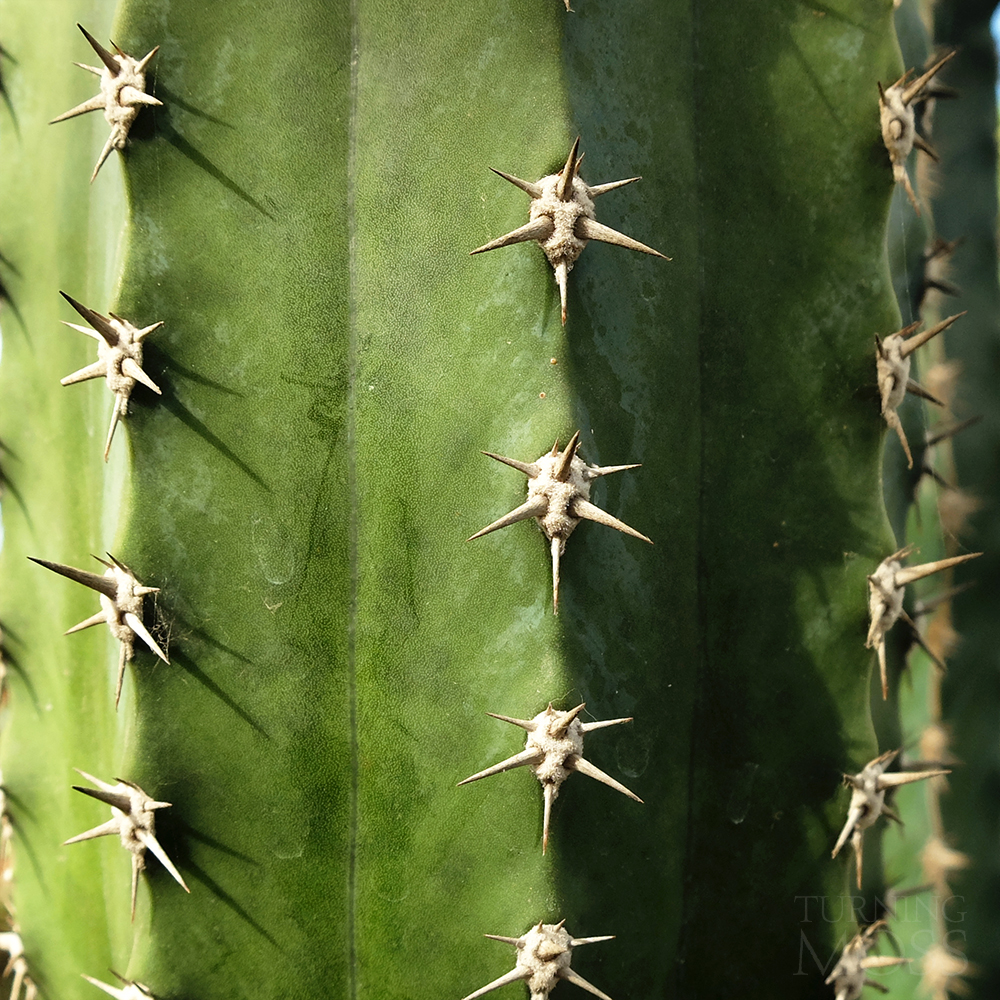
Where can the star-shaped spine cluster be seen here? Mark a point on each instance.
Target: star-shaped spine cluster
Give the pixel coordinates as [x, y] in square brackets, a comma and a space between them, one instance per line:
[123, 94]
[897, 117]
[121, 597]
[886, 588]
[17, 966]
[559, 499]
[543, 959]
[561, 219]
[869, 786]
[132, 820]
[892, 368]
[553, 750]
[119, 359]
[848, 977]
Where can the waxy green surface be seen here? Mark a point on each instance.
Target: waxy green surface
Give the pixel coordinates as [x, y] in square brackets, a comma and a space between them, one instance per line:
[333, 362]
[60, 501]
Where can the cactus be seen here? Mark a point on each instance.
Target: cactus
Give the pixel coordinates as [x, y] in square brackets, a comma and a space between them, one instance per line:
[299, 214]
[964, 203]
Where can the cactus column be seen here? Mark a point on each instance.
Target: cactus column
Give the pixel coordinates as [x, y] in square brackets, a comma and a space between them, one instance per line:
[332, 362]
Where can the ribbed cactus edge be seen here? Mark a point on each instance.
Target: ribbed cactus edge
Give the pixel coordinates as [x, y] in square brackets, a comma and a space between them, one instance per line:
[300, 214]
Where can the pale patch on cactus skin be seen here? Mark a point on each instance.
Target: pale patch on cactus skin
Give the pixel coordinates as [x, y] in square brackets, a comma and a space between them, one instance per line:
[122, 97]
[559, 499]
[898, 120]
[886, 587]
[543, 958]
[132, 819]
[868, 800]
[892, 368]
[939, 862]
[130, 990]
[553, 749]
[561, 219]
[943, 971]
[848, 975]
[119, 359]
[121, 597]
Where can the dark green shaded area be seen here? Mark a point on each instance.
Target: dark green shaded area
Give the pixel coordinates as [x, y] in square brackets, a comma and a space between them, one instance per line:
[794, 192]
[772, 408]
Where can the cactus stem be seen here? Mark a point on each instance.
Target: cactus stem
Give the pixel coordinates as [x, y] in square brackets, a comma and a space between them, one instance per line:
[558, 499]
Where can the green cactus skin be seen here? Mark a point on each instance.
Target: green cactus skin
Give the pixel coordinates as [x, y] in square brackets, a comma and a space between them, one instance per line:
[300, 215]
[965, 204]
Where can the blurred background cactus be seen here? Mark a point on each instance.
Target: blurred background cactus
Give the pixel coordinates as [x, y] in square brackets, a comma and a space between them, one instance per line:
[299, 214]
